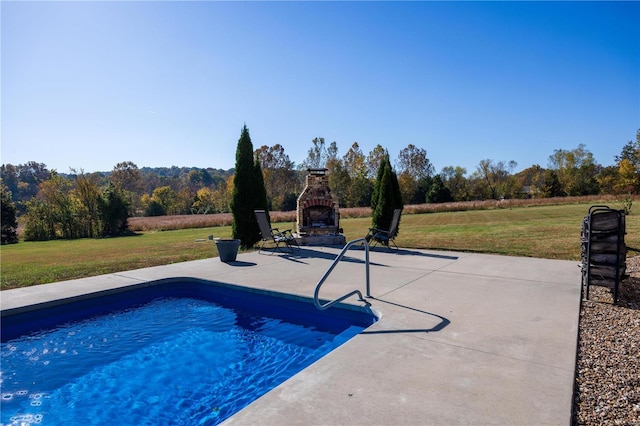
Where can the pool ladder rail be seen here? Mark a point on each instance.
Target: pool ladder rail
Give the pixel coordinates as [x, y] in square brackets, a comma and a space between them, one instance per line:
[339, 257]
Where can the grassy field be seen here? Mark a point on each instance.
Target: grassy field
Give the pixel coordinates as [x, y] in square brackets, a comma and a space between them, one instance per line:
[551, 232]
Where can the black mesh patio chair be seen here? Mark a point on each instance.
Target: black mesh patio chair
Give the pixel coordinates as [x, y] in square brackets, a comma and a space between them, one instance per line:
[386, 237]
[284, 241]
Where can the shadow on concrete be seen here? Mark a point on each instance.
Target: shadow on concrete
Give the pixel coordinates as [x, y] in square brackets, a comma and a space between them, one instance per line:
[241, 263]
[442, 324]
[407, 252]
[307, 253]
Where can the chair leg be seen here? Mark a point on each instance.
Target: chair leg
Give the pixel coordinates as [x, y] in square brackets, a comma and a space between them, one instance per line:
[285, 245]
[261, 249]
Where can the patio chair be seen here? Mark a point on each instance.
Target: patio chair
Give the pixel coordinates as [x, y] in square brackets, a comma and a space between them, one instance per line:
[281, 239]
[385, 237]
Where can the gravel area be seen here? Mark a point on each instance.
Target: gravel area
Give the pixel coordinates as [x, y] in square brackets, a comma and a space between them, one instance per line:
[607, 389]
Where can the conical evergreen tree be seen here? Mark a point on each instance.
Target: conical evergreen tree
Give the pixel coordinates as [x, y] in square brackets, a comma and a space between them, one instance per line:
[249, 193]
[386, 196]
[260, 196]
[376, 186]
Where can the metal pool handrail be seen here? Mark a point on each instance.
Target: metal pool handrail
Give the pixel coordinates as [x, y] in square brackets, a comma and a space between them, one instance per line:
[327, 305]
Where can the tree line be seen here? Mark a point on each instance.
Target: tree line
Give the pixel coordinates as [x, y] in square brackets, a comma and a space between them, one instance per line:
[77, 204]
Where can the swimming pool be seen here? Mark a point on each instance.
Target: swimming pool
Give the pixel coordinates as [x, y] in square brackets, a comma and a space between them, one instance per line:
[169, 352]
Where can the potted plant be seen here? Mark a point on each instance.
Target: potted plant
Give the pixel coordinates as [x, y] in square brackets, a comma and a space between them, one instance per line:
[227, 249]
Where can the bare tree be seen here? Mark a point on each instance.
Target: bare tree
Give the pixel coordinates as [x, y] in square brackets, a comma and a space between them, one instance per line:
[414, 173]
[374, 159]
[354, 161]
[316, 156]
[414, 161]
[280, 178]
[497, 177]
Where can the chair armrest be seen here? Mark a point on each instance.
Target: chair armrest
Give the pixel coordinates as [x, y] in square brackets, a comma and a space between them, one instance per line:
[379, 231]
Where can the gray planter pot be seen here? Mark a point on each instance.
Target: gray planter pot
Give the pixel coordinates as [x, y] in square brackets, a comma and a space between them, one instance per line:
[227, 249]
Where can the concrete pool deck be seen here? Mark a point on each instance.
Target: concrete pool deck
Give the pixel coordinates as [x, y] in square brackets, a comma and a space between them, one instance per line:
[464, 338]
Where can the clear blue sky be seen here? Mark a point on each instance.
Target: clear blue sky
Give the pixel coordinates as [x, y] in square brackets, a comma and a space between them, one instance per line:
[86, 85]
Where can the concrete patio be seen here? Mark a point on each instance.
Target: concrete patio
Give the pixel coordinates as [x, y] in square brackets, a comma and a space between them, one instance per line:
[463, 338]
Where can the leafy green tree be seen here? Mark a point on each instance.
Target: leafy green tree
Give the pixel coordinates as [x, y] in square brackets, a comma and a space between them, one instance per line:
[154, 208]
[359, 187]
[39, 221]
[386, 196]
[628, 167]
[9, 222]
[199, 178]
[87, 196]
[614, 180]
[222, 195]
[408, 188]
[551, 186]
[631, 152]
[57, 194]
[339, 182]
[164, 199]
[248, 194]
[114, 211]
[576, 170]
[360, 192]
[52, 214]
[438, 192]
[127, 178]
[23, 180]
[10, 179]
[454, 179]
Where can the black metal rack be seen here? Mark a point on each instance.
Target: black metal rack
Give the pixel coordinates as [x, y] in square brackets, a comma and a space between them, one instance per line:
[603, 250]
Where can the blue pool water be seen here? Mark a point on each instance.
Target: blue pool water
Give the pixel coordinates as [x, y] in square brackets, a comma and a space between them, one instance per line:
[179, 353]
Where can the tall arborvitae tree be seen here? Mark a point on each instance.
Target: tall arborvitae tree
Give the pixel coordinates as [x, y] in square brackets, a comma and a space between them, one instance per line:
[386, 196]
[260, 196]
[249, 193]
[8, 217]
[376, 186]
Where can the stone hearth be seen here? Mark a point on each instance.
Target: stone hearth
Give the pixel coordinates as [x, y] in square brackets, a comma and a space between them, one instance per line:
[318, 215]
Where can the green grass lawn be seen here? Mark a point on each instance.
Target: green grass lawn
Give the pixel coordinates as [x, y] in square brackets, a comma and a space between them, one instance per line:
[551, 232]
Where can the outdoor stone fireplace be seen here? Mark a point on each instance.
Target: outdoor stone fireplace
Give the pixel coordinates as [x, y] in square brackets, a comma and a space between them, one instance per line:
[318, 215]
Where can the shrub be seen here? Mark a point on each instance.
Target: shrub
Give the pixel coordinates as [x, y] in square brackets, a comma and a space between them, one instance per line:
[8, 217]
